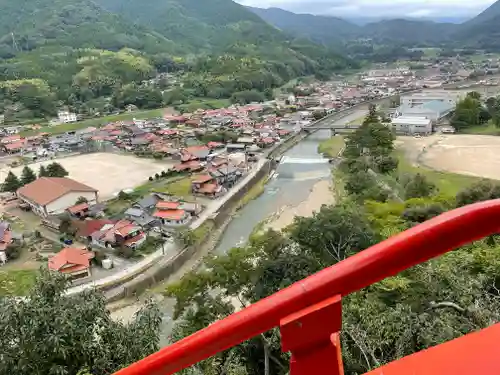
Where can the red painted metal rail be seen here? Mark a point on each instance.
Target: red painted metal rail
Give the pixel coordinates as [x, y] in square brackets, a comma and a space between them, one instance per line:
[308, 312]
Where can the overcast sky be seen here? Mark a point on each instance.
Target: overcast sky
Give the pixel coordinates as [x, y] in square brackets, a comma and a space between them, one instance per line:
[378, 8]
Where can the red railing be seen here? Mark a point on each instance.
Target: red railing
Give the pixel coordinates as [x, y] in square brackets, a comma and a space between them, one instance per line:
[309, 311]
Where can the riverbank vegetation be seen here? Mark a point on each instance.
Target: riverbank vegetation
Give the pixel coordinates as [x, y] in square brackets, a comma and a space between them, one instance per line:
[331, 147]
[253, 193]
[391, 319]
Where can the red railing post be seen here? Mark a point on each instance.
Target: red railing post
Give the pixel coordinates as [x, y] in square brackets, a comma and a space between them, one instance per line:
[312, 335]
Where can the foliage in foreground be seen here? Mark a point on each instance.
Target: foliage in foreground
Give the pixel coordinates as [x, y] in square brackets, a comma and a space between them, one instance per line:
[49, 332]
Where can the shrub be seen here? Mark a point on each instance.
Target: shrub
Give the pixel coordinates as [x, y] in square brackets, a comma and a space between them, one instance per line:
[125, 252]
[157, 176]
[151, 178]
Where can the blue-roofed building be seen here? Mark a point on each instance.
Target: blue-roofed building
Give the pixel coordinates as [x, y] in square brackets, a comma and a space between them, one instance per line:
[433, 110]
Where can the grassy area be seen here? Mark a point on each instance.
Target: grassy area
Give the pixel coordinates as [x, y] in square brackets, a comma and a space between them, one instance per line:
[488, 129]
[200, 233]
[447, 183]
[331, 147]
[180, 188]
[96, 122]
[195, 104]
[254, 192]
[16, 282]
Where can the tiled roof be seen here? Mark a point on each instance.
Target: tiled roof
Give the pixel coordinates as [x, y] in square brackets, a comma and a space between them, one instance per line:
[47, 189]
[170, 214]
[167, 205]
[71, 256]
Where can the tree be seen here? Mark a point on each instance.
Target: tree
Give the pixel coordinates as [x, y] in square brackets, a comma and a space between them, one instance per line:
[474, 95]
[27, 175]
[418, 186]
[43, 172]
[84, 200]
[333, 233]
[11, 183]
[65, 225]
[75, 334]
[478, 192]
[56, 170]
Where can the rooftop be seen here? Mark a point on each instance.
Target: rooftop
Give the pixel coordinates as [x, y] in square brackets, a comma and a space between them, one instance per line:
[47, 189]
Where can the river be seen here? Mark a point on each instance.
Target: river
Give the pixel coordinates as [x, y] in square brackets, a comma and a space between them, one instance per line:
[291, 185]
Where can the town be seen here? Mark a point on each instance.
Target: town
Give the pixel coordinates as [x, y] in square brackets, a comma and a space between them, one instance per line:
[91, 201]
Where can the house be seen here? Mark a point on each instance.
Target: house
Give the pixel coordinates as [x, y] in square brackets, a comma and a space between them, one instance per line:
[121, 233]
[79, 210]
[141, 218]
[54, 195]
[86, 228]
[66, 117]
[72, 262]
[171, 214]
[207, 185]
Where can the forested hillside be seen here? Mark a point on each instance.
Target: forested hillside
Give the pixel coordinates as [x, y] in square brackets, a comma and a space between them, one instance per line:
[28, 24]
[95, 57]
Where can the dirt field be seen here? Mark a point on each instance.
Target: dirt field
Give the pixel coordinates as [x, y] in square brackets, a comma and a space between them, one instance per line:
[473, 155]
[108, 173]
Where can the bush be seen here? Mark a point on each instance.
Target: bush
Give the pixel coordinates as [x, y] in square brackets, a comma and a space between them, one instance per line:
[157, 176]
[151, 178]
[164, 173]
[99, 257]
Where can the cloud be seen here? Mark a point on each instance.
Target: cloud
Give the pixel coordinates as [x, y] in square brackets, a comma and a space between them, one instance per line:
[379, 8]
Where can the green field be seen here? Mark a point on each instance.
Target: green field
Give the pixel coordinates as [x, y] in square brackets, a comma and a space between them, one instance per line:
[201, 103]
[96, 122]
[331, 147]
[16, 282]
[488, 129]
[447, 183]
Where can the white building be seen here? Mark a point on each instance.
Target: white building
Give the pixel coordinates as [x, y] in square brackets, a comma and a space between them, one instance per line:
[53, 195]
[66, 116]
[412, 125]
[421, 98]
[433, 110]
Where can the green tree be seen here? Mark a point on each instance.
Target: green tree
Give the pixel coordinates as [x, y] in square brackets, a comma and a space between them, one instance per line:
[474, 95]
[27, 175]
[75, 334]
[417, 186]
[11, 183]
[43, 172]
[56, 170]
[478, 192]
[84, 200]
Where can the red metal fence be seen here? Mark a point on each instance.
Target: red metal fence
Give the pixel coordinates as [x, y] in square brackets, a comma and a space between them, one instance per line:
[309, 311]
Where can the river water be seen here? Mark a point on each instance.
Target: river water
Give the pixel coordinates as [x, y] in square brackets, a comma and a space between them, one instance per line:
[290, 185]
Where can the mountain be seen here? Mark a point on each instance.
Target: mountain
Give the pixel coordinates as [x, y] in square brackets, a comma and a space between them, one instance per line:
[28, 24]
[321, 29]
[225, 27]
[409, 31]
[200, 26]
[361, 21]
[481, 31]
[328, 29]
[490, 13]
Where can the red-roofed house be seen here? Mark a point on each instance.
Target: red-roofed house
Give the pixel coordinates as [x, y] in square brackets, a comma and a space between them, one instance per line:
[206, 185]
[73, 262]
[170, 214]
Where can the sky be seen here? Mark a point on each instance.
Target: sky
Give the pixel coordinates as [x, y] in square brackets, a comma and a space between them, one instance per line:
[378, 8]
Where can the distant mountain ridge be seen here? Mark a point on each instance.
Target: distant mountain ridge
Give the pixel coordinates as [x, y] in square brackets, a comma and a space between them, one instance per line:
[478, 32]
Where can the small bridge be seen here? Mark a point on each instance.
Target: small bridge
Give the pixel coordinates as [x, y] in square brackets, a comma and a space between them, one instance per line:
[292, 160]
